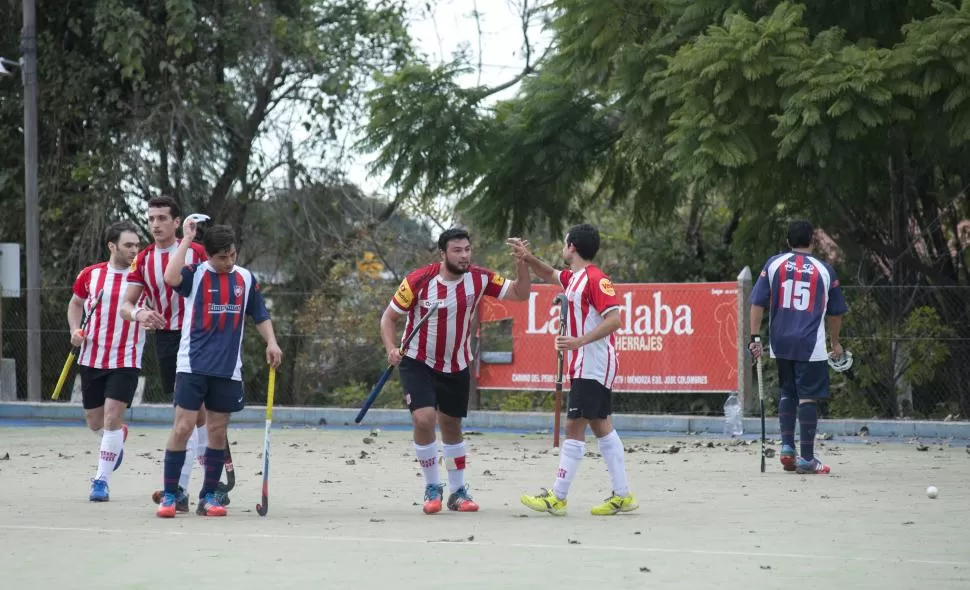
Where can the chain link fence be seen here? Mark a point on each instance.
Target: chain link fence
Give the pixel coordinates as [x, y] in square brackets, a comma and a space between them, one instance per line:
[911, 347]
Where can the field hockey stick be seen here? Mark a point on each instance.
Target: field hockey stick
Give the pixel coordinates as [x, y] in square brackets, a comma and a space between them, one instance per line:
[390, 368]
[263, 507]
[75, 352]
[761, 396]
[230, 473]
[561, 301]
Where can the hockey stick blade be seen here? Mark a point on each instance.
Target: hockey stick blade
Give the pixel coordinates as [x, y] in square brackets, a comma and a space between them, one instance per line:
[376, 391]
[263, 507]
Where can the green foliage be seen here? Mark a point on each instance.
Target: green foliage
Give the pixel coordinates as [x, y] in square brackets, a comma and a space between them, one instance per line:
[181, 97]
[891, 355]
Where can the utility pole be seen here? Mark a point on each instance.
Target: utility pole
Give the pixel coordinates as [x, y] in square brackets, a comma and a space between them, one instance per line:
[29, 49]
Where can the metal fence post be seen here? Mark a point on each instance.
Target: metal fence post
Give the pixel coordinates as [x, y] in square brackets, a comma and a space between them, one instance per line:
[744, 334]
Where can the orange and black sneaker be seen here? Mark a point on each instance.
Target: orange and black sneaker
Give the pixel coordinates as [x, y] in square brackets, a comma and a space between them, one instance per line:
[433, 494]
[461, 501]
[209, 505]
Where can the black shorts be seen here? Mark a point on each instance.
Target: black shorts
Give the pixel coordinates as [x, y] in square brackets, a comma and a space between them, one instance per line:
[589, 399]
[426, 388]
[804, 379]
[219, 394]
[167, 355]
[116, 384]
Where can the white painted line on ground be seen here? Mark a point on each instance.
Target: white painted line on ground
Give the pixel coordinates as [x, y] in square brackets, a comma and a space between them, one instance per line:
[477, 544]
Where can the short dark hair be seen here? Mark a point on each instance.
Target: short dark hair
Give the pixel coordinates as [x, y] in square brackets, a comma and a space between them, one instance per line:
[166, 201]
[114, 231]
[800, 233]
[455, 233]
[218, 238]
[586, 239]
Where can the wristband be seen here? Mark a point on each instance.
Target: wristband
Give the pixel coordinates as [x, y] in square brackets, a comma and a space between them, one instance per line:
[755, 338]
[135, 312]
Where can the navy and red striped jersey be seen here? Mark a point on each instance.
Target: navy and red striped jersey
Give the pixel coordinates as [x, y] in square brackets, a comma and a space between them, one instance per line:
[212, 330]
[800, 291]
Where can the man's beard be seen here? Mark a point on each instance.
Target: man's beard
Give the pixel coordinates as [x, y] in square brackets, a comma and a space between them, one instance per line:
[453, 269]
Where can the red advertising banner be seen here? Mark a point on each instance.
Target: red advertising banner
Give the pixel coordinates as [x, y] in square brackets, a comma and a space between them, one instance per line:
[673, 338]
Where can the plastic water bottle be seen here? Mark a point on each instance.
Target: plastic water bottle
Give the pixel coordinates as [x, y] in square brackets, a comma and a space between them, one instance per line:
[732, 416]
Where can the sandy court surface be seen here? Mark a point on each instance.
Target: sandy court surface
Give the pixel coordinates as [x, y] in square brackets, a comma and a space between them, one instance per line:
[708, 518]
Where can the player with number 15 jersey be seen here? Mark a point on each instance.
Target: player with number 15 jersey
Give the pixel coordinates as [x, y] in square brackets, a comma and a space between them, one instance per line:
[799, 291]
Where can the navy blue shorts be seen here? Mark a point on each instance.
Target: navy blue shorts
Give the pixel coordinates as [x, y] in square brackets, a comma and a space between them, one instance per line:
[219, 394]
[804, 379]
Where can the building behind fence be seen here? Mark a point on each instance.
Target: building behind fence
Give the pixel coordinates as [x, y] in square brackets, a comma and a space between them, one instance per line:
[911, 348]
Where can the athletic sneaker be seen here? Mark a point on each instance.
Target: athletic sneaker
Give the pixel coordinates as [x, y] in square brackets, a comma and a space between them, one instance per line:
[121, 455]
[433, 494]
[461, 501]
[811, 467]
[167, 505]
[209, 505]
[787, 457]
[99, 491]
[181, 499]
[615, 504]
[545, 501]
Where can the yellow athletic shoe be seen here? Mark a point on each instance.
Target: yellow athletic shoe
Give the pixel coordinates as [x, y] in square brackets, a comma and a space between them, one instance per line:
[615, 504]
[545, 501]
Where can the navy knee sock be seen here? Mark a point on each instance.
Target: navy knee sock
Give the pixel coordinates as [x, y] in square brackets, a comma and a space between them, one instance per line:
[787, 407]
[214, 459]
[174, 460]
[808, 423]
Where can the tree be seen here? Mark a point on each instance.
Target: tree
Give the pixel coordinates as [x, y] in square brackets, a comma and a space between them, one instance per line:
[186, 98]
[856, 117]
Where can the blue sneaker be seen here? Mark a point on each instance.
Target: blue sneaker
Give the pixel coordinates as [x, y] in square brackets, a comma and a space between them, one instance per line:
[433, 494]
[787, 457]
[166, 505]
[121, 455]
[99, 491]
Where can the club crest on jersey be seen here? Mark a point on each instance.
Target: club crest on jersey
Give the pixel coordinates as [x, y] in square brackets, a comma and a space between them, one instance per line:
[807, 267]
[606, 286]
[238, 290]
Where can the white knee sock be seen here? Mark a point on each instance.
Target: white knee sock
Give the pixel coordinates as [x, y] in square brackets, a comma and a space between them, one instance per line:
[191, 448]
[428, 459]
[611, 447]
[569, 459]
[455, 464]
[203, 442]
[112, 441]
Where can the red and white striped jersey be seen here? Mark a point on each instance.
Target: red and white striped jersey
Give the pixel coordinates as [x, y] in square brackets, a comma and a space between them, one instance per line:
[110, 342]
[442, 342]
[148, 270]
[591, 296]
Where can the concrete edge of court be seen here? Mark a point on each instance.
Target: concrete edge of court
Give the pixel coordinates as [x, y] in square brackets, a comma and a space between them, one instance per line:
[529, 421]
